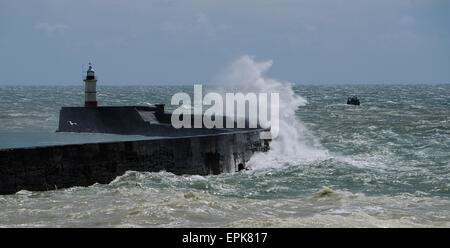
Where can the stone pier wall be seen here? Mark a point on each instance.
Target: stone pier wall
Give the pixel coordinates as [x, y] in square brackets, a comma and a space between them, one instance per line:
[54, 167]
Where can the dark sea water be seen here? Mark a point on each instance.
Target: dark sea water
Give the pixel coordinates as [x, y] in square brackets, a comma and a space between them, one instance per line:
[385, 163]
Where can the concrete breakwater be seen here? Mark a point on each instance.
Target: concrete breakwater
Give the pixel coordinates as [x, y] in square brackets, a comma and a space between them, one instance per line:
[63, 166]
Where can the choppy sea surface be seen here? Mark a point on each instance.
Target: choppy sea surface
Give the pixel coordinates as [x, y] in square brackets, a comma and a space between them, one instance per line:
[385, 163]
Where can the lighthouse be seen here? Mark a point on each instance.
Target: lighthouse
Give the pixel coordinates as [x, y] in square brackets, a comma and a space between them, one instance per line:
[90, 89]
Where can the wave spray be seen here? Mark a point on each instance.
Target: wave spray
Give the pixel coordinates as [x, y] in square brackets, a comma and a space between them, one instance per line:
[294, 144]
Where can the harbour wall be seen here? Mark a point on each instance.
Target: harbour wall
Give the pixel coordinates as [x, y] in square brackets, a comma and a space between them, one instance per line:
[131, 120]
[63, 166]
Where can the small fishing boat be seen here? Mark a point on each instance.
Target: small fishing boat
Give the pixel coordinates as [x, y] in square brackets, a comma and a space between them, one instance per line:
[353, 100]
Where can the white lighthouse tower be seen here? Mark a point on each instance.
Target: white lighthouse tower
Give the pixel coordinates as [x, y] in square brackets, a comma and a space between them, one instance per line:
[90, 88]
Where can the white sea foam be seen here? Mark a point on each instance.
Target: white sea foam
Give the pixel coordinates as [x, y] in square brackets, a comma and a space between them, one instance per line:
[294, 143]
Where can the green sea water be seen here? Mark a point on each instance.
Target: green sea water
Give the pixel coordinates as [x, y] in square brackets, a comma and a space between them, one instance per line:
[385, 163]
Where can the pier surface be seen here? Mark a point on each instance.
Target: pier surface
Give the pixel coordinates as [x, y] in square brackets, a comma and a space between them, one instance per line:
[63, 166]
[199, 151]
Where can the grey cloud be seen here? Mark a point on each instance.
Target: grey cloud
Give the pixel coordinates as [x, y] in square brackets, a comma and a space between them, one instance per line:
[46, 27]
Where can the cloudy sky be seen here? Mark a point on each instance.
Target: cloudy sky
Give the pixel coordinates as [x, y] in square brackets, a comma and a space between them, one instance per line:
[192, 41]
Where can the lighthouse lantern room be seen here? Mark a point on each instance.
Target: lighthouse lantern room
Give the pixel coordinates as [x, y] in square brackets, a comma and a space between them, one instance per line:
[90, 88]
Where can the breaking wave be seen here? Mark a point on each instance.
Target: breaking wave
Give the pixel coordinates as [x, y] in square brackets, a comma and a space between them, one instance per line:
[294, 144]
